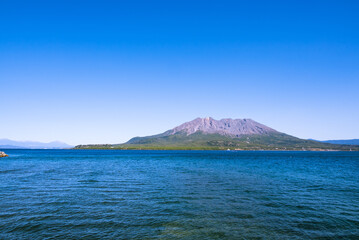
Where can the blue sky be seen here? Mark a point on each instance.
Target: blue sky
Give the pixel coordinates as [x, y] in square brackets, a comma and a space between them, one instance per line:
[106, 71]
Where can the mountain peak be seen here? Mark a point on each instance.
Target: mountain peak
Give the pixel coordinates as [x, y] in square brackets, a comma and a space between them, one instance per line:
[226, 126]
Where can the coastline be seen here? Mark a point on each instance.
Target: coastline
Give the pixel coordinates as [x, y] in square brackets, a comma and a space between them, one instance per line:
[231, 150]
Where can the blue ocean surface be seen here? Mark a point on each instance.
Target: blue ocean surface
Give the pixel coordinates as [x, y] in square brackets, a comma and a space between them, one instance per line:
[109, 194]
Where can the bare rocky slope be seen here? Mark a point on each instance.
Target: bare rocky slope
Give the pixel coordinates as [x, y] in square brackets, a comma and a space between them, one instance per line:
[227, 126]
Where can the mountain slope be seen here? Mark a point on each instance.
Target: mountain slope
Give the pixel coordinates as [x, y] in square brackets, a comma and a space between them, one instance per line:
[7, 143]
[229, 127]
[347, 142]
[208, 133]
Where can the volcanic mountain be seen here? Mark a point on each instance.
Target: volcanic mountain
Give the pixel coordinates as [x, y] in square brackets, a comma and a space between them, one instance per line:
[228, 127]
[210, 134]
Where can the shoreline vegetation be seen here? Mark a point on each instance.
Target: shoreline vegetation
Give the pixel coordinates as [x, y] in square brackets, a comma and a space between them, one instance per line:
[199, 141]
[95, 147]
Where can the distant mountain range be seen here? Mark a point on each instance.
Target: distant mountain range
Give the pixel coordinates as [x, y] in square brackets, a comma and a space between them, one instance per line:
[344, 141]
[210, 134]
[10, 144]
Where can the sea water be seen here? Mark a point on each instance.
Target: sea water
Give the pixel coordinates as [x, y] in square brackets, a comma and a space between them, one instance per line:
[109, 194]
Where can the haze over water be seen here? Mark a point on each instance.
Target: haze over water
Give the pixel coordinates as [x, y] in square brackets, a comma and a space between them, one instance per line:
[94, 194]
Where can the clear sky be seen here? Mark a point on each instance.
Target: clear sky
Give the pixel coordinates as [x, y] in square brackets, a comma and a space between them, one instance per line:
[105, 71]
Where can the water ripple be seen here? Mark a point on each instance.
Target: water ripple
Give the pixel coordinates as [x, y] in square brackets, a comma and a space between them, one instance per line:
[70, 194]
